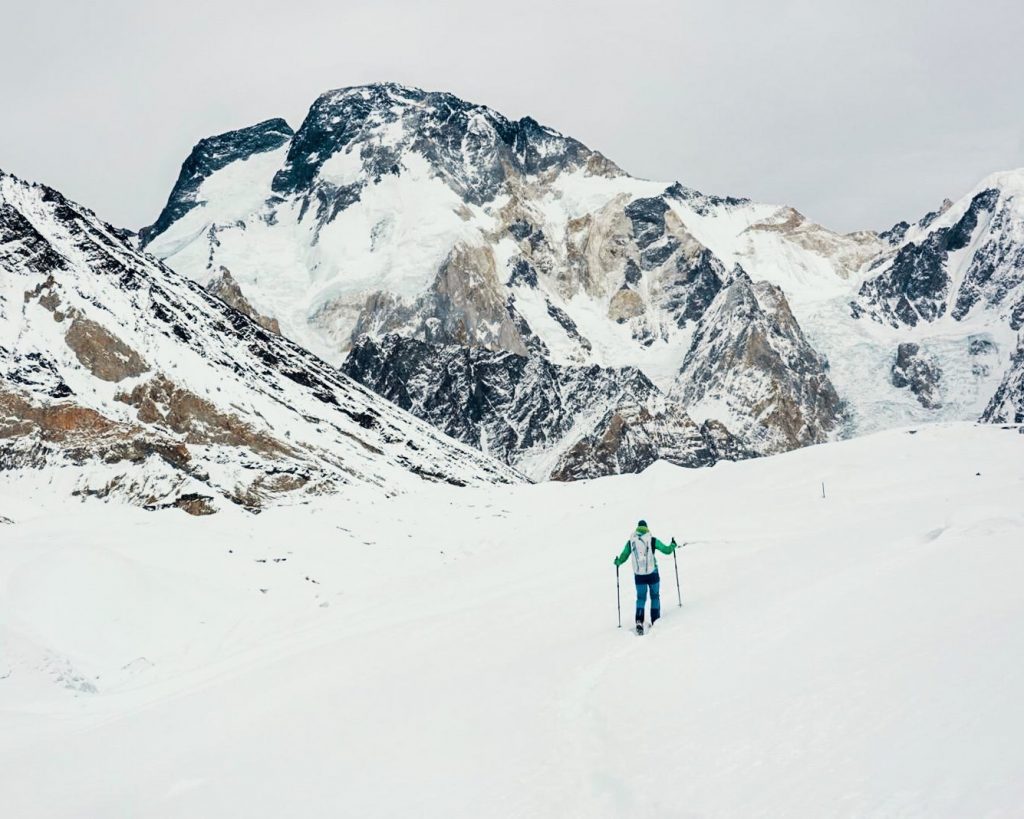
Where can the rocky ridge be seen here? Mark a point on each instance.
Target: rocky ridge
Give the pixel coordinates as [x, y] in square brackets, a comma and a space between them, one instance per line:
[547, 420]
[152, 390]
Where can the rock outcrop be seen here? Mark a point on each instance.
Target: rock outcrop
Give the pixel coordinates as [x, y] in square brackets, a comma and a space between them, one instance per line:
[547, 420]
[750, 357]
[1007, 404]
[919, 373]
[225, 288]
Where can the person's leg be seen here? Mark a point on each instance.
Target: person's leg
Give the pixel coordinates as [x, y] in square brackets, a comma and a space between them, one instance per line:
[655, 601]
[641, 601]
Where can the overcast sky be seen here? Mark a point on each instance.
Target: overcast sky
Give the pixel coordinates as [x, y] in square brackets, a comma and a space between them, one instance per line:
[857, 113]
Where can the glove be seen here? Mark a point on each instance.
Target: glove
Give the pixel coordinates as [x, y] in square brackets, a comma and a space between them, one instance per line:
[615, 560]
[674, 544]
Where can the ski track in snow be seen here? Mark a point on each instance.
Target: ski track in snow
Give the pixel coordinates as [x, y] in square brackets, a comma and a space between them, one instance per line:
[454, 652]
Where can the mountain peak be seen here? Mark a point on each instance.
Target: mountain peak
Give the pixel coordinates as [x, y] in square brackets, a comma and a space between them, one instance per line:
[1009, 181]
[210, 155]
[472, 147]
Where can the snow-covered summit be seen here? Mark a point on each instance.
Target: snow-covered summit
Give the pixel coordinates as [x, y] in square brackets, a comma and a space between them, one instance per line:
[473, 148]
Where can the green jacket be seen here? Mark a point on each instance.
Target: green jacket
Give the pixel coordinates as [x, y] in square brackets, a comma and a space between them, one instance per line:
[664, 548]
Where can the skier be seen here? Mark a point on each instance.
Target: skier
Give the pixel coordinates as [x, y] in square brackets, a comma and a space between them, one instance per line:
[642, 545]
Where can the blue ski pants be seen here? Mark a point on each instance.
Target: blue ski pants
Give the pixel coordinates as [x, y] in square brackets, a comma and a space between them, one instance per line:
[643, 583]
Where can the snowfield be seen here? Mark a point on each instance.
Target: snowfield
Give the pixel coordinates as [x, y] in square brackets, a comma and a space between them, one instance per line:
[454, 652]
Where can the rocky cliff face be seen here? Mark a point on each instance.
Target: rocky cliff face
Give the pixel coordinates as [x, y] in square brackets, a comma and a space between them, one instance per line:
[750, 356]
[916, 285]
[155, 391]
[547, 420]
[919, 373]
[966, 258]
[1007, 404]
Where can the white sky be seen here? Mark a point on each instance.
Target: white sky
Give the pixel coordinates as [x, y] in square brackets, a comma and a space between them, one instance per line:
[858, 113]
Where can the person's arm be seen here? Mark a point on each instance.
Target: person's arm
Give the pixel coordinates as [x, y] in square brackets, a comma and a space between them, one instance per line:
[623, 555]
[661, 547]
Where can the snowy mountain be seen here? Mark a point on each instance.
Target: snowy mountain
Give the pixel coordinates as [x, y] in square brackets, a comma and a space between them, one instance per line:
[147, 388]
[397, 211]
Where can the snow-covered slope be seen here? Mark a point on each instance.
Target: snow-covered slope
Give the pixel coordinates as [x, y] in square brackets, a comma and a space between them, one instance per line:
[852, 655]
[146, 387]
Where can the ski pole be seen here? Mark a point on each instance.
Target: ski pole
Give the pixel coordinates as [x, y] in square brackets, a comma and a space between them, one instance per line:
[675, 560]
[618, 599]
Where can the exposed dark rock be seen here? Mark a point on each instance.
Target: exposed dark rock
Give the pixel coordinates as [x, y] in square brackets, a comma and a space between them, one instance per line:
[235, 440]
[632, 437]
[191, 502]
[516, 407]
[657, 254]
[21, 245]
[1007, 404]
[632, 273]
[523, 273]
[568, 325]
[473, 148]
[919, 373]
[895, 234]
[915, 286]
[700, 279]
[520, 230]
[997, 267]
[703, 203]
[648, 219]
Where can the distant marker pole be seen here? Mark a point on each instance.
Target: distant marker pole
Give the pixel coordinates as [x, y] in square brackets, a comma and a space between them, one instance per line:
[675, 560]
[618, 599]
[823, 489]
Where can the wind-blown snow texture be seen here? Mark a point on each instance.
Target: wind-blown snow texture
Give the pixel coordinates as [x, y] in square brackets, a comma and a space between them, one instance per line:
[150, 389]
[394, 210]
[454, 652]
